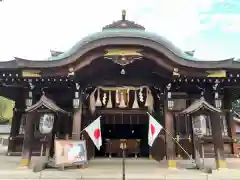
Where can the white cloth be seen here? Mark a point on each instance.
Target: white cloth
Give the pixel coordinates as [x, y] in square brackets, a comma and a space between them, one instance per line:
[94, 132]
[153, 130]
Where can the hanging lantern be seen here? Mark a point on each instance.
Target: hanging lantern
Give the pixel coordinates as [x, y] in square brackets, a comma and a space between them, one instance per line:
[28, 100]
[218, 101]
[46, 123]
[170, 101]
[76, 101]
[170, 104]
[98, 101]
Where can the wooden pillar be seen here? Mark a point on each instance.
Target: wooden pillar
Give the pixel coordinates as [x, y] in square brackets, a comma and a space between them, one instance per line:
[216, 126]
[28, 136]
[178, 150]
[169, 126]
[218, 140]
[28, 130]
[16, 121]
[77, 116]
[233, 125]
[170, 144]
[227, 102]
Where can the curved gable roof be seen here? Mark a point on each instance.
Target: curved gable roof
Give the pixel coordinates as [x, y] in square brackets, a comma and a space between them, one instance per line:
[134, 33]
[123, 32]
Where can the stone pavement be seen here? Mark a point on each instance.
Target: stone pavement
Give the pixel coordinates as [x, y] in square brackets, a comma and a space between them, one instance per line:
[112, 169]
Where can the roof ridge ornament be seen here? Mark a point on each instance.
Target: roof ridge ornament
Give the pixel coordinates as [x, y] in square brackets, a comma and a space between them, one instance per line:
[124, 15]
[124, 24]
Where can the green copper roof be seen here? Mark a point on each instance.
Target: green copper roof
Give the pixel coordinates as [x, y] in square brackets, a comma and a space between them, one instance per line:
[138, 33]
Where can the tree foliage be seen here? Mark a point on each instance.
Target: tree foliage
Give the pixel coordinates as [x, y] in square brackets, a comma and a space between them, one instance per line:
[236, 105]
[6, 110]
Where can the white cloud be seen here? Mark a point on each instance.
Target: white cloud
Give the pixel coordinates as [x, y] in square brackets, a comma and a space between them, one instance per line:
[31, 28]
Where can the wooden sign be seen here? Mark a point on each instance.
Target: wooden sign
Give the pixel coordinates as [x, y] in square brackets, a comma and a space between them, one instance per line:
[69, 152]
[31, 73]
[123, 52]
[217, 74]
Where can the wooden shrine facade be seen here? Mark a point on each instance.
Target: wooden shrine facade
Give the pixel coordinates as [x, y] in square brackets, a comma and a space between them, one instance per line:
[126, 70]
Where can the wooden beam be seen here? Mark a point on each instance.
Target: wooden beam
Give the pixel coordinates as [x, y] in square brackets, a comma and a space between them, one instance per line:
[121, 111]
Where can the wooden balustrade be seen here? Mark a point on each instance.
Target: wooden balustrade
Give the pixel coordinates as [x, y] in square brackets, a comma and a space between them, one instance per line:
[112, 146]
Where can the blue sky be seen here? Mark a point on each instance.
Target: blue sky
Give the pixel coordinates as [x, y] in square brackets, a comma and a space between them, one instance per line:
[29, 29]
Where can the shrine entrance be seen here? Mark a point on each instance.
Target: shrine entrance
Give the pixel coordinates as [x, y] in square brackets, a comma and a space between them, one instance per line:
[133, 128]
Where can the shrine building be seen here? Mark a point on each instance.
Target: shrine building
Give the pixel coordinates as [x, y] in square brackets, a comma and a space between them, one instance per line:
[120, 74]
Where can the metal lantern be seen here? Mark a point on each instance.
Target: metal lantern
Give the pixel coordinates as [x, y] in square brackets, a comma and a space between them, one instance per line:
[170, 101]
[46, 123]
[76, 103]
[170, 104]
[28, 102]
[218, 103]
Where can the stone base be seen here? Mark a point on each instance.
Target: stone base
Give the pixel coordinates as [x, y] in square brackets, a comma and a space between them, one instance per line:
[172, 164]
[150, 157]
[221, 164]
[24, 162]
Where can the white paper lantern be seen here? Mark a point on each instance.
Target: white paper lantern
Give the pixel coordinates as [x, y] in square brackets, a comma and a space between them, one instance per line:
[46, 123]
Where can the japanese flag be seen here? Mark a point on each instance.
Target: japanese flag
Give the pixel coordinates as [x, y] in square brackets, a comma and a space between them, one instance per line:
[153, 130]
[94, 132]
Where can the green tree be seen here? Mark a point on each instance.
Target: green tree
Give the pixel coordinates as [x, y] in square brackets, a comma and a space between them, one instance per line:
[236, 105]
[6, 110]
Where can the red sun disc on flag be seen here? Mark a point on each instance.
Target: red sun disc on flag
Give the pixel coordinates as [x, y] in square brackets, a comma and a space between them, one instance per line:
[97, 133]
[152, 129]
[70, 145]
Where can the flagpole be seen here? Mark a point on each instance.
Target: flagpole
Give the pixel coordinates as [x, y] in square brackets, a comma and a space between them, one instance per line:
[176, 141]
[178, 144]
